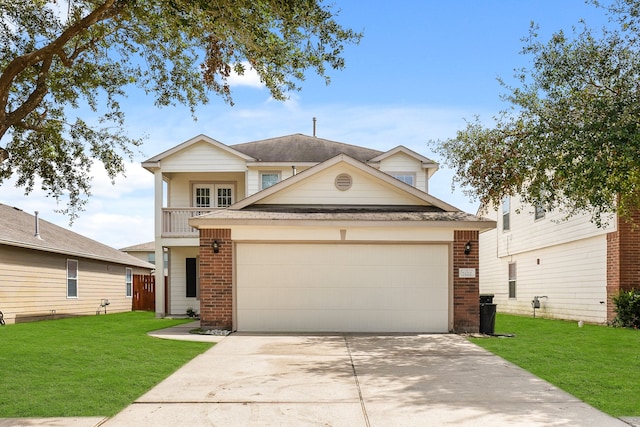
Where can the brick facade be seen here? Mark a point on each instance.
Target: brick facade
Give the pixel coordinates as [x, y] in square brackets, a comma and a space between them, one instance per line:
[466, 291]
[623, 260]
[216, 279]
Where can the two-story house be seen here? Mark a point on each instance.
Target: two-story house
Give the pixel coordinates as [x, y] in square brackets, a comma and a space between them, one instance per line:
[299, 233]
[566, 268]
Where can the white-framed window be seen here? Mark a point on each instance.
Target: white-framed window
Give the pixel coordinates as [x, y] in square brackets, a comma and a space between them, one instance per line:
[72, 278]
[406, 177]
[212, 195]
[267, 179]
[512, 280]
[151, 258]
[506, 209]
[128, 282]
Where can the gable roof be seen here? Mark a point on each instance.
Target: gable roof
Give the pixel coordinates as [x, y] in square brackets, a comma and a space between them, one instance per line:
[200, 138]
[421, 195]
[434, 212]
[426, 162]
[299, 148]
[17, 228]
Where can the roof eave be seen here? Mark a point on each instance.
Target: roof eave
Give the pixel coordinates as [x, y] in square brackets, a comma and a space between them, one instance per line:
[141, 264]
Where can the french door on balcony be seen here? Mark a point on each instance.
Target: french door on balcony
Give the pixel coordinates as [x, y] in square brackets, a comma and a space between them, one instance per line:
[212, 195]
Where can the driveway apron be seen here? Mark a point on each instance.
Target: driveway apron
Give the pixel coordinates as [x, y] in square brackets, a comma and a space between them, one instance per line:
[355, 380]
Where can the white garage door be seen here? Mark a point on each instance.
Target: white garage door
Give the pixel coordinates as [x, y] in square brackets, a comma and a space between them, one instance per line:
[342, 288]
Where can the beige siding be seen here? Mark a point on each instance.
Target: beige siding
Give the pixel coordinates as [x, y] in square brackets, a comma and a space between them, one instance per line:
[253, 177]
[34, 284]
[402, 163]
[203, 157]
[180, 186]
[571, 275]
[527, 234]
[178, 302]
[321, 189]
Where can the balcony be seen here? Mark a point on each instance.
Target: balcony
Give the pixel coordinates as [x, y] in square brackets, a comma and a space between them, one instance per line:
[175, 221]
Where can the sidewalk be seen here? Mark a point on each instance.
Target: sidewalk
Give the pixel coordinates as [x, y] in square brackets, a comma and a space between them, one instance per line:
[181, 333]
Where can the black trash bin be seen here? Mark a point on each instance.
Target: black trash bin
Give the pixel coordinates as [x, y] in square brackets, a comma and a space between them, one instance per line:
[487, 314]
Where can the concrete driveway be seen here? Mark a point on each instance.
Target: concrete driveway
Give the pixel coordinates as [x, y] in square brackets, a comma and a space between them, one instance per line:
[355, 380]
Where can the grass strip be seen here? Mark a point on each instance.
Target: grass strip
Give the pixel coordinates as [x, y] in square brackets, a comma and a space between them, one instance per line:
[86, 366]
[598, 364]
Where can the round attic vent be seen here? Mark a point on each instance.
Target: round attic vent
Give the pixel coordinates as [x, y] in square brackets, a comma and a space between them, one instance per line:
[343, 182]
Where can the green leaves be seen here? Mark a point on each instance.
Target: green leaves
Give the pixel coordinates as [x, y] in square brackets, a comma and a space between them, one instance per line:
[179, 51]
[571, 137]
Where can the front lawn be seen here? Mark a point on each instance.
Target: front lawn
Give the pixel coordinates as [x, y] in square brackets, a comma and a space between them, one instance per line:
[85, 366]
[598, 364]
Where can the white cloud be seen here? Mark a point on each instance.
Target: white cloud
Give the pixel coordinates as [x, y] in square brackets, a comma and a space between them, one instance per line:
[249, 78]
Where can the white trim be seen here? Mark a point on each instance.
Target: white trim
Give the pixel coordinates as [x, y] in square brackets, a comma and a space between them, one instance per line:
[266, 172]
[128, 274]
[426, 162]
[154, 162]
[358, 165]
[73, 278]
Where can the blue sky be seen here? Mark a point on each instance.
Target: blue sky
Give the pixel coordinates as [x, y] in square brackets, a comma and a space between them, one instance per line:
[422, 68]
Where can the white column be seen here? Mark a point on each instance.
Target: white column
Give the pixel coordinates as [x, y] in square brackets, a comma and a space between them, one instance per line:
[160, 296]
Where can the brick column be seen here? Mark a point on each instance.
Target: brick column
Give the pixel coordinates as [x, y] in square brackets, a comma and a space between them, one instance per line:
[216, 279]
[466, 291]
[623, 260]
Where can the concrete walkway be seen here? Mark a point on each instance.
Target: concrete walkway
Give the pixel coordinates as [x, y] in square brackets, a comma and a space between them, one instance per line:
[345, 380]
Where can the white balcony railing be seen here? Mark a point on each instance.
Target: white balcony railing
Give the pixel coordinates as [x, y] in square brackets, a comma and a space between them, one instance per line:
[175, 221]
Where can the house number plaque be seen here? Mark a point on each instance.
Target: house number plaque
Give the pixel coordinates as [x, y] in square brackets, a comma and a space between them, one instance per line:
[467, 273]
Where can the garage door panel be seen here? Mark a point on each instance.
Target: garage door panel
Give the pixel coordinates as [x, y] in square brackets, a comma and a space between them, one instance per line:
[345, 287]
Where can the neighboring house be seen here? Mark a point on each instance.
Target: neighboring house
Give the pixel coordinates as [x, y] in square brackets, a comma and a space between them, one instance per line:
[147, 252]
[47, 271]
[299, 233]
[571, 266]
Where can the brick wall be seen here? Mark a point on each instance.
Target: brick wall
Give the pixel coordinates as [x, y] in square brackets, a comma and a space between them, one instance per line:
[623, 260]
[216, 280]
[466, 294]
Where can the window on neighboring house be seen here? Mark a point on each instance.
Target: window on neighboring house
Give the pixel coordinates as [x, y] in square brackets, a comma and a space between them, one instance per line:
[192, 277]
[151, 258]
[540, 211]
[72, 278]
[512, 280]
[407, 178]
[506, 202]
[267, 179]
[129, 282]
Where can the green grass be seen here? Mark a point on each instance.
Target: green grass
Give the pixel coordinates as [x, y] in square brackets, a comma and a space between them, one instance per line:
[598, 364]
[85, 366]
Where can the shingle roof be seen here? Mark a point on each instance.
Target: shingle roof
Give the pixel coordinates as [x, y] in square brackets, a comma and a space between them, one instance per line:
[228, 217]
[17, 228]
[302, 148]
[142, 247]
